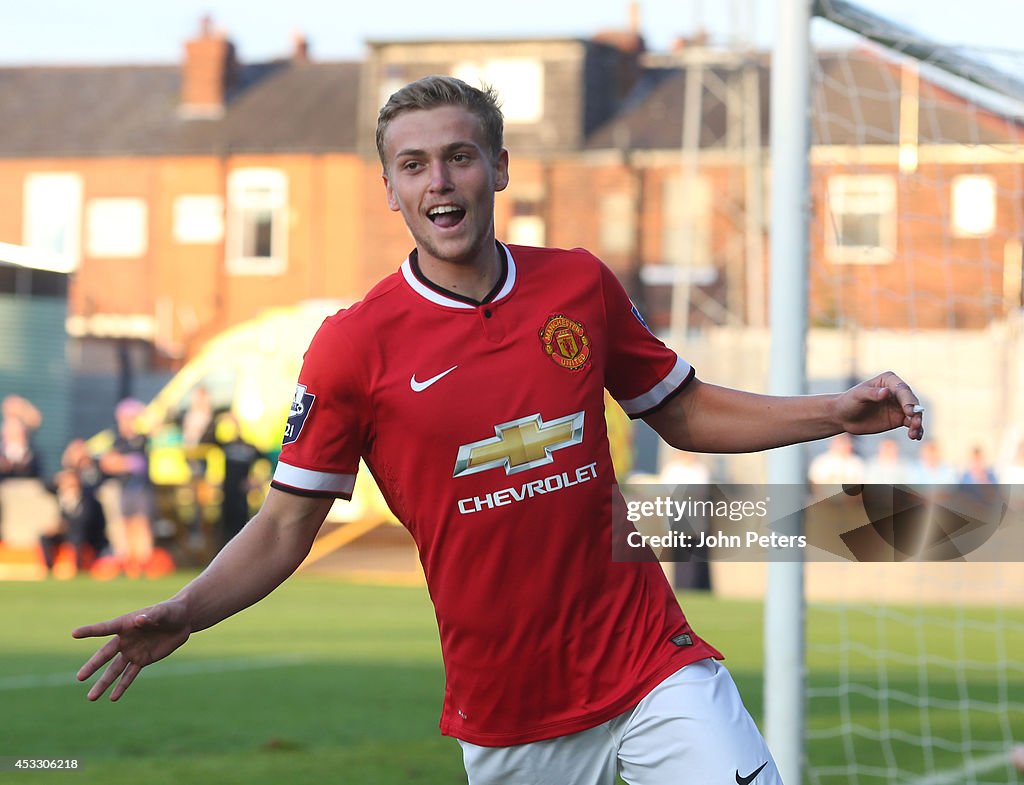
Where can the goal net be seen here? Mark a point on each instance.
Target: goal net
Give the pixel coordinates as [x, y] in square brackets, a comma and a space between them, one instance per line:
[915, 671]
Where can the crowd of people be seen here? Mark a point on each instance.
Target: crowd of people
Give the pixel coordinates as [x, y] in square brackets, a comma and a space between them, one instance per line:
[840, 464]
[83, 526]
[83, 520]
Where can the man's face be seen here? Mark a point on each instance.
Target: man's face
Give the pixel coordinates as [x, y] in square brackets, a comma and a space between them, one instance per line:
[440, 175]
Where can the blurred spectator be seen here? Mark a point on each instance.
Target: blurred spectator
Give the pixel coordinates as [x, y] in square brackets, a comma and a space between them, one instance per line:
[197, 436]
[18, 408]
[82, 513]
[931, 469]
[17, 456]
[128, 461]
[78, 459]
[239, 459]
[838, 465]
[197, 424]
[978, 471]
[82, 523]
[887, 467]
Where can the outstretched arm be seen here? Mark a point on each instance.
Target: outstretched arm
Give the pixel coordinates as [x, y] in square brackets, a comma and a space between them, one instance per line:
[708, 418]
[267, 550]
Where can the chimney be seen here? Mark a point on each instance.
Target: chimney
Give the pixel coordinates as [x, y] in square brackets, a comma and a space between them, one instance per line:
[209, 72]
[300, 48]
[630, 41]
[700, 38]
[634, 16]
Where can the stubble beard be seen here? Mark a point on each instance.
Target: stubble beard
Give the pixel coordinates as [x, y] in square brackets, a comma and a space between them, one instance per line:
[467, 255]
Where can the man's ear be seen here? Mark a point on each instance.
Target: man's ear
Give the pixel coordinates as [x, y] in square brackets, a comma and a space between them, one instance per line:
[501, 171]
[390, 193]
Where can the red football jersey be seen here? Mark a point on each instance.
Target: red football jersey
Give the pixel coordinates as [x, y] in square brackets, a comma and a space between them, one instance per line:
[483, 424]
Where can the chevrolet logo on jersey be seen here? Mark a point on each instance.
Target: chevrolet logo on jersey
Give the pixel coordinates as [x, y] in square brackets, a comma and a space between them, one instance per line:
[520, 445]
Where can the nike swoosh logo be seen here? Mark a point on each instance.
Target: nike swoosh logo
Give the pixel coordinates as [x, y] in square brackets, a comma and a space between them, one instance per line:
[421, 386]
[750, 777]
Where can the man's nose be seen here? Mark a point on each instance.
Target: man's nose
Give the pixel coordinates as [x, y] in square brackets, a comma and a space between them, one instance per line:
[439, 177]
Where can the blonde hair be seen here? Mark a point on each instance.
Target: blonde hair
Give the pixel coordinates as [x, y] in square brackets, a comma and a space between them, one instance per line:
[432, 92]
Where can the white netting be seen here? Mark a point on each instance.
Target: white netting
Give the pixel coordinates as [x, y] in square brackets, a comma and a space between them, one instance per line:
[916, 671]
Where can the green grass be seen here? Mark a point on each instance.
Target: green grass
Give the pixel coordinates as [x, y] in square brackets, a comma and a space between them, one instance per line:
[330, 682]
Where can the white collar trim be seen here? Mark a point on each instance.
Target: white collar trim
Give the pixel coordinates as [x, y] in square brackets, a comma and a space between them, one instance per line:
[438, 298]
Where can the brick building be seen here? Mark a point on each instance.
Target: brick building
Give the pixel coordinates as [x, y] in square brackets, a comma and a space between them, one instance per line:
[185, 198]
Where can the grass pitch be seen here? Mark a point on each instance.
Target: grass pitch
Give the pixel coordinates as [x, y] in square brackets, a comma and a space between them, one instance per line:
[322, 682]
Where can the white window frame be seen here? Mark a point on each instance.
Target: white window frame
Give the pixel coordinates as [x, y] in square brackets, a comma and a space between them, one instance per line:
[198, 219]
[678, 211]
[972, 206]
[250, 190]
[864, 195]
[526, 230]
[52, 217]
[617, 223]
[117, 228]
[518, 80]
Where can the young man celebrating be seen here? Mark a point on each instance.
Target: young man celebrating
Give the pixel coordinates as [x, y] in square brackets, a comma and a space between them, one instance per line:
[471, 382]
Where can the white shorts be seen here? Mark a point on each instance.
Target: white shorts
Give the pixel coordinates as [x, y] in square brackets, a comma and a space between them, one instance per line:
[692, 729]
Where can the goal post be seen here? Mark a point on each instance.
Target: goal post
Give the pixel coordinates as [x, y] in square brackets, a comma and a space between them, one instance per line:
[897, 228]
[790, 143]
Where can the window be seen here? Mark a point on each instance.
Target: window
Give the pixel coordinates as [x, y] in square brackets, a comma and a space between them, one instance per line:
[116, 228]
[860, 219]
[198, 219]
[974, 206]
[518, 80]
[618, 224]
[53, 218]
[392, 81]
[526, 225]
[257, 222]
[686, 237]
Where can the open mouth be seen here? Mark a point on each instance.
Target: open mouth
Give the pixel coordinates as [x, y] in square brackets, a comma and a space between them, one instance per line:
[446, 216]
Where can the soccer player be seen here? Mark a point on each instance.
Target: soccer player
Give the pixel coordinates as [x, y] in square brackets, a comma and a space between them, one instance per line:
[471, 382]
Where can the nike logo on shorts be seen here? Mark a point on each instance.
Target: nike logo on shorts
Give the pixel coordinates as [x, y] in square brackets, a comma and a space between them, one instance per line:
[740, 780]
[421, 386]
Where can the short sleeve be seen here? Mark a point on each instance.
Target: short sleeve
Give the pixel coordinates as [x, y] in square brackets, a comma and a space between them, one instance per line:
[642, 372]
[327, 426]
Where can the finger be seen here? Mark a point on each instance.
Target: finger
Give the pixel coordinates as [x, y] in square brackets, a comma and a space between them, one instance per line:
[907, 400]
[98, 630]
[914, 423]
[101, 657]
[115, 669]
[127, 678]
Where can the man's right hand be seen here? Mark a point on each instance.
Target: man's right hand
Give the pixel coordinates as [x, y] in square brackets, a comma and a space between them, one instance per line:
[140, 639]
[255, 562]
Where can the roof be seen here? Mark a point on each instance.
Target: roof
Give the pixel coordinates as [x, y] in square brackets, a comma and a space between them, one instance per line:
[130, 110]
[652, 117]
[503, 40]
[856, 101]
[302, 107]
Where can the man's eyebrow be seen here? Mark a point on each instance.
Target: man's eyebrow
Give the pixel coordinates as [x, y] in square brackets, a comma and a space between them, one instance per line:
[410, 151]
[451, 147]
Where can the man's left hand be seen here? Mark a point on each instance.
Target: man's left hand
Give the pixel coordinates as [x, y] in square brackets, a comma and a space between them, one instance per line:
[881, 404]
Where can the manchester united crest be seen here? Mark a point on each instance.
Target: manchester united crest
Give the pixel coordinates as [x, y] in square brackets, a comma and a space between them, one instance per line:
[566, 342]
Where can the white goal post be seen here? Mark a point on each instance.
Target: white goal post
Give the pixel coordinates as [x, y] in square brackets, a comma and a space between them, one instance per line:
[897, 195]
